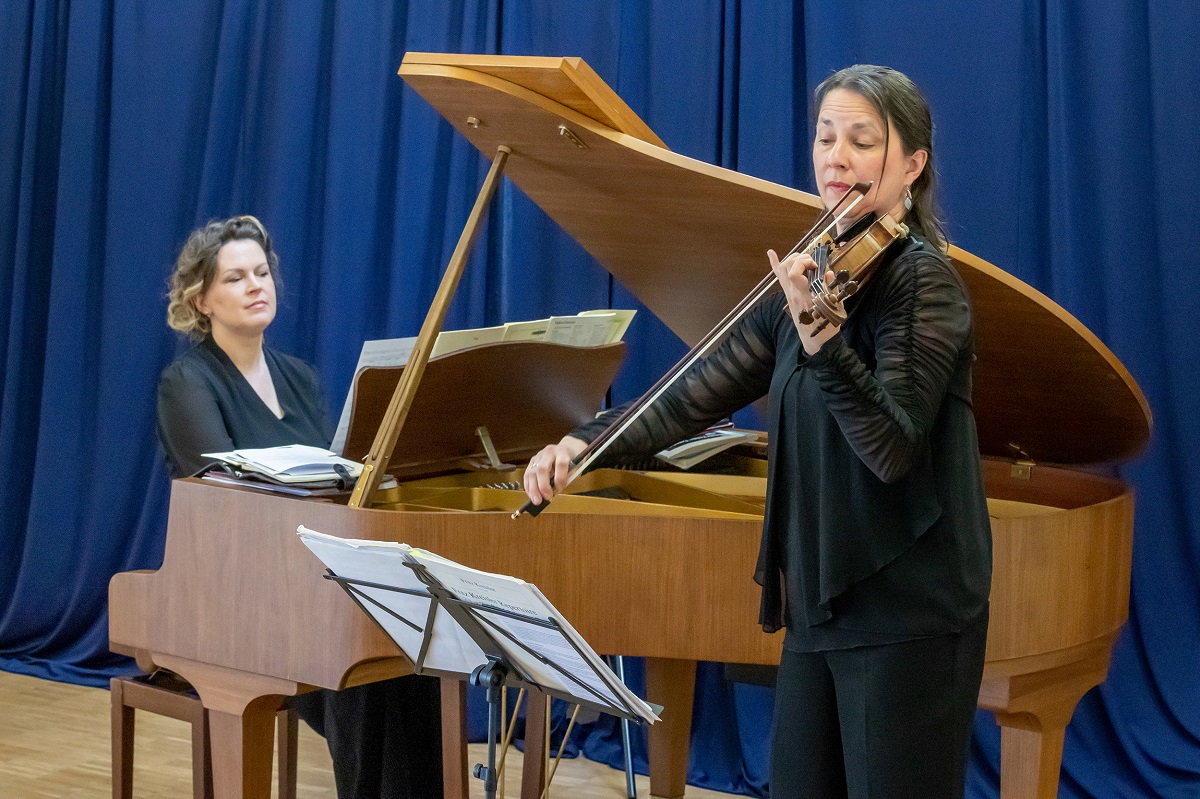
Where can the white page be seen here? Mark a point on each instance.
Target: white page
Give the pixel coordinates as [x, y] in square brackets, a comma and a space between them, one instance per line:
[579, 331]
[639, 705]
[455, 340]
[451, 649]
[378, 352]
[518, 597]
[555, 648]
[534, 330]
[297, 459]
[687, 453]
[619, 322]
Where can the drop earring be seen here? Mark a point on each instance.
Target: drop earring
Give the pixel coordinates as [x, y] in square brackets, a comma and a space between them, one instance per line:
[908, 201]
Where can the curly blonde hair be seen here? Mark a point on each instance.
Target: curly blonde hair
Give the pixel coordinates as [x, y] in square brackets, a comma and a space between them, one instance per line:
[196, 269]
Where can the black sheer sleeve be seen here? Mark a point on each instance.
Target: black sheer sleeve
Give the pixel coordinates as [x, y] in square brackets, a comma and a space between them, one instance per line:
[922, 335]
[734, 375]
[189, 420]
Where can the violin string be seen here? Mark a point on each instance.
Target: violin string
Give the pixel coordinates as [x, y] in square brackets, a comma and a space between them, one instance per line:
[816, 278]
[816, 282]
[815, 232]
[820, 287]
[858, 188]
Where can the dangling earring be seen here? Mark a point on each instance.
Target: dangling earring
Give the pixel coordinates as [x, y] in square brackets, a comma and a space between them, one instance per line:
[908, 201]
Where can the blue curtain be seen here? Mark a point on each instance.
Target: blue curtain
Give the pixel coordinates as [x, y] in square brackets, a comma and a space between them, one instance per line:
[1065, 146]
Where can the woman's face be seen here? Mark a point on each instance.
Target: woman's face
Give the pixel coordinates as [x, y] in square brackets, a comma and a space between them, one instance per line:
[241, 299]
[853, 145]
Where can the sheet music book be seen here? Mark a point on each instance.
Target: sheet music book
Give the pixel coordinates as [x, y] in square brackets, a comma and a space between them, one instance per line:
[292, 463]
[247, 480]
[455, 340]
[618, 322]
[377, 352]
[698, 448]
[521, 617]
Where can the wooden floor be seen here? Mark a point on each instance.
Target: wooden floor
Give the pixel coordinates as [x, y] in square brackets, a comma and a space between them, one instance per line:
[54, 742]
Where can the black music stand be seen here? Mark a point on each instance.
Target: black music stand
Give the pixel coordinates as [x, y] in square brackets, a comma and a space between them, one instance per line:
[511, 656]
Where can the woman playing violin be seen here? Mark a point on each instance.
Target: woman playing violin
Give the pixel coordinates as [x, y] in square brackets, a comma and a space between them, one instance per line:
[876, 549]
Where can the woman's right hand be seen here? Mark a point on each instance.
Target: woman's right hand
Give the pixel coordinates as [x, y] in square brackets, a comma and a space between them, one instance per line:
[552, 461]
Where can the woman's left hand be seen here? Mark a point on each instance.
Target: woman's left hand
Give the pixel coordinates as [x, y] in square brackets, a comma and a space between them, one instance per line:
[792, 273]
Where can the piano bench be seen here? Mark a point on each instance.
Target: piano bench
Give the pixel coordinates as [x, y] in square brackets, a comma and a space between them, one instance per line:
[178, 700]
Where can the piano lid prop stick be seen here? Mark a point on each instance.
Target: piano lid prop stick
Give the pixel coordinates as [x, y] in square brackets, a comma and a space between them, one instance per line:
[375, 465]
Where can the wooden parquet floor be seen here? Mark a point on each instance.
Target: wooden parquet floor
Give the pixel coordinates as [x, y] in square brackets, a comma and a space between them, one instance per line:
[54, 742]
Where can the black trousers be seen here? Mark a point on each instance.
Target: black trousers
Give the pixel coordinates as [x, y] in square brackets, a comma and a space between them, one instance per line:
[877, 722]
[385, 737]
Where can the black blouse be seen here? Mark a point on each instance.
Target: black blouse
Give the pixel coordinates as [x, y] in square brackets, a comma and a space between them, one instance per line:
[876, 527]
[206, 405]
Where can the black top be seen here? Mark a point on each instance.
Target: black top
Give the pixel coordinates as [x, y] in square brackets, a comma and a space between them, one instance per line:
[876, 527]
[206, 405]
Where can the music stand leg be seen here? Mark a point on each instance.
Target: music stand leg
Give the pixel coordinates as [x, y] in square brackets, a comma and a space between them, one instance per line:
[493, 675]
[618, 664]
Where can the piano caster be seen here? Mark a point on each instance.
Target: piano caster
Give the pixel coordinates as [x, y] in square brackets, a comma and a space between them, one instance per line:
[177, 702]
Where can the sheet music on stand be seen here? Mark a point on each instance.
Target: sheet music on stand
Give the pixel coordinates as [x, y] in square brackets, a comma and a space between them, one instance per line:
[452, 620]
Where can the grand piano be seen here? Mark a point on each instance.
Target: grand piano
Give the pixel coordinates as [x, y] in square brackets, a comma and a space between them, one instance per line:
[240, 609]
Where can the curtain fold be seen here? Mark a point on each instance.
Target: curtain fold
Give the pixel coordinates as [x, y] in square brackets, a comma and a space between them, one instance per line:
[1065, 151]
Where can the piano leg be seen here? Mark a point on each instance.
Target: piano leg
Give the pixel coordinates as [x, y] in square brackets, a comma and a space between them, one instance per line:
[672, 684]
[242, 744]
[1033, 711]
[241, 724]
[454, 738]
[533, 768]
[1029, 760]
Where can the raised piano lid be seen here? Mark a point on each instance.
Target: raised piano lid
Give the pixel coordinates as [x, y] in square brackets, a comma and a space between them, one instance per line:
[688, 239]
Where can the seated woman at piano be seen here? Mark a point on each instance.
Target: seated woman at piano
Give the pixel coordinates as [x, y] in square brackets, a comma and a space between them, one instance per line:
[230, 391]
[876, 548]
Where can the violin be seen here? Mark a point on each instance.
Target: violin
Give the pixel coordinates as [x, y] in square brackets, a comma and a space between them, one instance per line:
[851, 256]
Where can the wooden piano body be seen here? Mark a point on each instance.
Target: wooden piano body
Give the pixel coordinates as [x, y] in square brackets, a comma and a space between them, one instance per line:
[239, 607]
